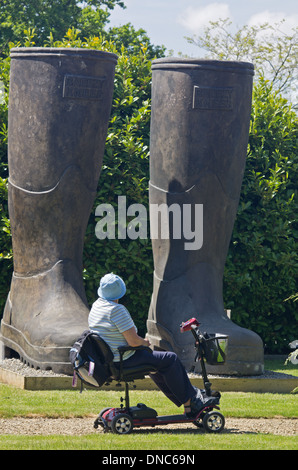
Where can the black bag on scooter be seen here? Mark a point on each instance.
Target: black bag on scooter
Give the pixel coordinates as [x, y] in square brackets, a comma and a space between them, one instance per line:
[87, 358]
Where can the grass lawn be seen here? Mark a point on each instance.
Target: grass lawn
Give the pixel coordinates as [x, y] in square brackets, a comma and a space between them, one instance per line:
[160, 441]
[278, 365]
[15, 402]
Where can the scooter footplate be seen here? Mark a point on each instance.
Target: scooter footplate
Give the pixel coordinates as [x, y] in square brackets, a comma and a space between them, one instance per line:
[162, 420]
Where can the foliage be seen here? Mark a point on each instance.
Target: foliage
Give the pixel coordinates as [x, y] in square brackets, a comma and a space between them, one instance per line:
[261, 269]
[273, 52]
[5, 237]
[129, 38]
[51, 17]
[4, 82]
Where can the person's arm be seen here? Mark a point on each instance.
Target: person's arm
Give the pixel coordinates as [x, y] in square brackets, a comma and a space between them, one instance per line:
[133, 339]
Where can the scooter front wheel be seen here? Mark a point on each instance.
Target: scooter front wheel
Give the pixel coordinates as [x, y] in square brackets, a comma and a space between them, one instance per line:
[122, 424]
[213, 422]
[98, 421]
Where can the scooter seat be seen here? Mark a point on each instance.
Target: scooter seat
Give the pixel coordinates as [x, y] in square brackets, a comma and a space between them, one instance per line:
[139, 372]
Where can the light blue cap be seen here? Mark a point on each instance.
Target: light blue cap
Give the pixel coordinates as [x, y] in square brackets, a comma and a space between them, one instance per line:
[111, 287]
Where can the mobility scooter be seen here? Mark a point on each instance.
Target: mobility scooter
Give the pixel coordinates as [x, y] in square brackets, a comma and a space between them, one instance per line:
[209, 347]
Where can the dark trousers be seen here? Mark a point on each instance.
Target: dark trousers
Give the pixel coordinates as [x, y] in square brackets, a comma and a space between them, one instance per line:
[171, 377]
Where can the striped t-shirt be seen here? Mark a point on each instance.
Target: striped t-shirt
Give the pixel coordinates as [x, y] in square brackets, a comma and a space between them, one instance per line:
[109, 320]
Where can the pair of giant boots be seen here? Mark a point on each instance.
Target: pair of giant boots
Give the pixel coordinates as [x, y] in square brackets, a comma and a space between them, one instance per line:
[59, 108]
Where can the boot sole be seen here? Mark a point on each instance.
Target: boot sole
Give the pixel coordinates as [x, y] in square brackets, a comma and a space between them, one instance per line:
[35, 356]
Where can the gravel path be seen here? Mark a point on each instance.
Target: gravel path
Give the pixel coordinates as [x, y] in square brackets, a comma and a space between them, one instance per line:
[80, 426]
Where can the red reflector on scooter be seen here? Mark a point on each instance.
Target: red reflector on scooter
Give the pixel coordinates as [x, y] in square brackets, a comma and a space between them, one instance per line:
[189, 324]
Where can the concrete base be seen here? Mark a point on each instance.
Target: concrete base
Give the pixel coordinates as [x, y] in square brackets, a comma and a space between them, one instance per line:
[283, 383]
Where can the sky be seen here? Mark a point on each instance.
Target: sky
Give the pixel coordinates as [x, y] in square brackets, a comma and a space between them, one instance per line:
[167, 22]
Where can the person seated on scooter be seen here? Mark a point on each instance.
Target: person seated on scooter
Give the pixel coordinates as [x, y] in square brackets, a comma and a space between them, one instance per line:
[113, 323]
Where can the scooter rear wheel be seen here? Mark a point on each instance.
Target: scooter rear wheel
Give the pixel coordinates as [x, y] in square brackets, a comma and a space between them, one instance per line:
[213, 422]
[122, 424]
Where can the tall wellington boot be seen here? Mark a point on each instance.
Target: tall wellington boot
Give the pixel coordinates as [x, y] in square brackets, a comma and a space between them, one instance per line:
[199, 135]
[59, 108]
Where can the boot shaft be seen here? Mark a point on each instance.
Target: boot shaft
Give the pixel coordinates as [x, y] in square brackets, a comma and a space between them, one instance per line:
[198, 145]
[199, 123]
[59, 107]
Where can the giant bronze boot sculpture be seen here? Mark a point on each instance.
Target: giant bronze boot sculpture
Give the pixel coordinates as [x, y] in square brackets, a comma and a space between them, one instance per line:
[199, 134]
[59, 108]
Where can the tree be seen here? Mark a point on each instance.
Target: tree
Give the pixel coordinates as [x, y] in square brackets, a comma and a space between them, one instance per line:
[129, 38]
[51, 16]
[273, 52]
